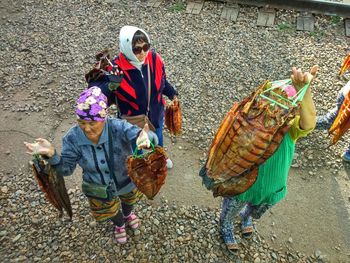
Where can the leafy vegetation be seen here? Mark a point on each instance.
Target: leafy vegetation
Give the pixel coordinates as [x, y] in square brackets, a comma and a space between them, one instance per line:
[317, 34]
[177, 7]
[335, 20]
[286, 27]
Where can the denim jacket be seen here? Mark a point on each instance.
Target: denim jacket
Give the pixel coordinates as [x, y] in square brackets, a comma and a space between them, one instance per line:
[92, 158]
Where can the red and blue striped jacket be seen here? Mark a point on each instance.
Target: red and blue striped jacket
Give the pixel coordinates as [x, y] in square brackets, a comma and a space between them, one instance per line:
[132, 94]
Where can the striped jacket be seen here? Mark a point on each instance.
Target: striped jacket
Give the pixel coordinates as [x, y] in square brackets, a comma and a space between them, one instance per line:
[132, 95]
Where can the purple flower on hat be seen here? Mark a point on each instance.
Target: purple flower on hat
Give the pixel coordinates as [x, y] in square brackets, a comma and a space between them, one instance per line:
[80, 112]
[95, 109]
[91, 105]
[83, 97]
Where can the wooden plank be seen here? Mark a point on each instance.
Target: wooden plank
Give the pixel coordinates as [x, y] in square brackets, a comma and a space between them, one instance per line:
[271, 17]
[300, 24]
[154, 3]
[305, 22]
[334, 7]
[266, 17]
[347, 27]
[230, 12]
[194, 7]
[189, 7]
[309, 24]
[197, 7]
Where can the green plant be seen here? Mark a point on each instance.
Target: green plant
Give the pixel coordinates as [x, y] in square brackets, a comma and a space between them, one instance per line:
[285, 27]
[177, 7]
[335, 20]
[317, 33]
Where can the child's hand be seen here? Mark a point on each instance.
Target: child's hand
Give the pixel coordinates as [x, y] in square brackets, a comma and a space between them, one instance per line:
[300, 79]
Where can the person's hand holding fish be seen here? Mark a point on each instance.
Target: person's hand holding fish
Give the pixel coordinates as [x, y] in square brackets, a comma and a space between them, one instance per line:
[41, 146]
[145, 138]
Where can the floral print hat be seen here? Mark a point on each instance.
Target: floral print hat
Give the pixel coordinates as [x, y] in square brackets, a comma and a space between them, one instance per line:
[92, 105]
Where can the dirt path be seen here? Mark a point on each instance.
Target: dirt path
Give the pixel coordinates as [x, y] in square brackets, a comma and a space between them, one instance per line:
[313, 217]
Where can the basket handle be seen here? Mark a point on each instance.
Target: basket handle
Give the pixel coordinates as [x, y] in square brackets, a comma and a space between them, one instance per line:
[135, 155]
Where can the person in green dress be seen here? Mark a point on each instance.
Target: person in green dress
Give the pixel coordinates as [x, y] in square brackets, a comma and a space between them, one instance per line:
[271, 184]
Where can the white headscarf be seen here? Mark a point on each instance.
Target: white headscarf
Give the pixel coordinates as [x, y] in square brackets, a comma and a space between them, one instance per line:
[125, 44]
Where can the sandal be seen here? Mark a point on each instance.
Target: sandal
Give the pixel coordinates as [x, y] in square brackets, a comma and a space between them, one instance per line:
[120, 234]
[230, 240]
[247, 227]
[232, 247]
[133, 220]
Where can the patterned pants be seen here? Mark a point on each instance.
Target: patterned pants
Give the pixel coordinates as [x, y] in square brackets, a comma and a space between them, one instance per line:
[324, 122]
[103, 211]
[231, 207]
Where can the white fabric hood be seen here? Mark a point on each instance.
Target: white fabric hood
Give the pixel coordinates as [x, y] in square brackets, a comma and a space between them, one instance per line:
[125, 43]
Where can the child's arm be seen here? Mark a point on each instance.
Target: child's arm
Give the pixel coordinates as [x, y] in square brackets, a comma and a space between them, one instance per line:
[307, 109]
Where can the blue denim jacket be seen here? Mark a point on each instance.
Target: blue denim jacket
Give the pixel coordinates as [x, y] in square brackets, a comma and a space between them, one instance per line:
[92, 158]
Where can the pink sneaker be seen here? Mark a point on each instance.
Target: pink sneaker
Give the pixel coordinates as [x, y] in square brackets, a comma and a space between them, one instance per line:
[120, 234]
[133, 220]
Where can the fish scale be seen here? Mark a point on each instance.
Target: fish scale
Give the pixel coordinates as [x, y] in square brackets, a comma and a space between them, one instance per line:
[148, 171]
[173, 117]
[249, 134]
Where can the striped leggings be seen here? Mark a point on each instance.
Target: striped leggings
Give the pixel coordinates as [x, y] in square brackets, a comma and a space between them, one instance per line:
[231, 207]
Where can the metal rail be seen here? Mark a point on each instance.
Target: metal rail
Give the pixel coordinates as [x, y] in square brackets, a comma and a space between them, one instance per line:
[328, 7]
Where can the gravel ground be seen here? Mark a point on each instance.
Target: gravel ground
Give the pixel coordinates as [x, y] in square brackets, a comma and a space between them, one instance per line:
[47, 46]
[169, 233]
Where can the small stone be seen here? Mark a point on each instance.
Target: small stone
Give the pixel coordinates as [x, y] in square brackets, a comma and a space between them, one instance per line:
[4, 189]
[92, 224]
[35, 221]
[21, 258]
[130, 258]
[290, 240]
[16, 238]
[257, 260]
[156, 222]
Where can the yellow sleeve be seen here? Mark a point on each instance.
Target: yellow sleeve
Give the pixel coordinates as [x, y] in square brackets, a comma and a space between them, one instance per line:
[296, 132]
